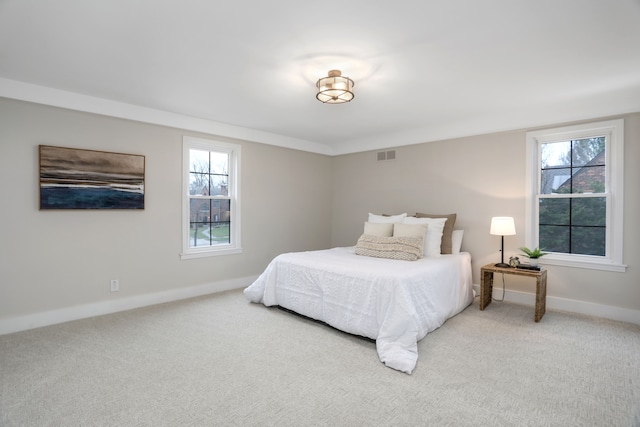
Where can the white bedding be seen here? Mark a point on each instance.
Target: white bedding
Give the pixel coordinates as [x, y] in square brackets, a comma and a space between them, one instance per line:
[394, 302]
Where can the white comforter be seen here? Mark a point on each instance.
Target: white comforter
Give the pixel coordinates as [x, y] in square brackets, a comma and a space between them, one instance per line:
[394, 302]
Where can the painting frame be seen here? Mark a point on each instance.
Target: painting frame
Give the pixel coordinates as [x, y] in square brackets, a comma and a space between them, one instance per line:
[83, 179]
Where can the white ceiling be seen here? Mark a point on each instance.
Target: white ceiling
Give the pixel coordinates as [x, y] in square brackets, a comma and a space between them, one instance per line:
[424, 70]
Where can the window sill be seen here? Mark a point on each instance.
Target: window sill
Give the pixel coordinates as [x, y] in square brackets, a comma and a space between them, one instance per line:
[210, 253]
[577, 261]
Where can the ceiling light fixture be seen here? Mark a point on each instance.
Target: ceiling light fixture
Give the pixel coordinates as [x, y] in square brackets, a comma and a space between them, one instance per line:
[334, 89]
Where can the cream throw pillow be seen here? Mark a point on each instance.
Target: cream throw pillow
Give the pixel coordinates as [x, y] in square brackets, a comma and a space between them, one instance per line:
[433, 239]
[411, 230]
[378, 229]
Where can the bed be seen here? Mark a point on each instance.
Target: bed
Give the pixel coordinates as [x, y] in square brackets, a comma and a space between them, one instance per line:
[392, 301]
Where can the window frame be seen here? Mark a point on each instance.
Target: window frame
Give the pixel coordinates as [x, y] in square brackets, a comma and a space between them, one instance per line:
[613, 131]
[234, 152]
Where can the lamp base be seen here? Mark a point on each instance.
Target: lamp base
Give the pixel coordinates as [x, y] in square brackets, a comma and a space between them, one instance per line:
[502, 265]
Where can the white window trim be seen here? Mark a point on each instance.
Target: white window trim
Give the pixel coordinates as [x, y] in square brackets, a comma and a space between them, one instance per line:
[235, 246]
[614, 131]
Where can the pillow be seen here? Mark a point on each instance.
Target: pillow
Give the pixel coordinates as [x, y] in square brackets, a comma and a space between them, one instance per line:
[445, 246]
[456, 241]
[386, 218]
[411, 230]
[378, 229]
[433, 239]
[401, 248]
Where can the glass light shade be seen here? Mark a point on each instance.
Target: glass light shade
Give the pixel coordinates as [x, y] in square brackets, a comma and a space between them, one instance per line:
[502, 226]
[335, 89]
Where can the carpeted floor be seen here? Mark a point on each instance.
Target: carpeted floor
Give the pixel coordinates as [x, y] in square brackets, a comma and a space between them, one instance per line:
[222, 361]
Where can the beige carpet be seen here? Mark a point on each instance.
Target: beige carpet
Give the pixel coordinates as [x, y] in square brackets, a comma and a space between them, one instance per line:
[221, 361]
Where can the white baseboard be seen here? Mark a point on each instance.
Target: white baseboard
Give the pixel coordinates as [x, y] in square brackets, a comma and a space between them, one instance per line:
[37, 320]
[573, 306]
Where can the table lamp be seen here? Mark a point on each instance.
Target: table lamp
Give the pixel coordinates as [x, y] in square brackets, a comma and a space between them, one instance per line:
[502, 226]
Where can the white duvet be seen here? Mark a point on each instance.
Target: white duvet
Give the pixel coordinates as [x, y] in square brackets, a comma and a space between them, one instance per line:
[394, 302]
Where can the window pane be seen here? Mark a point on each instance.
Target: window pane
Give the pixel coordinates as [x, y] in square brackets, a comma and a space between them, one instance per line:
[200, 210]
[219, 163]
[555, 181]
[555, 154]
[220, 210]
[555, 211]
[589, 179]
[573, 225]
[221, 226]
[589, 211]
[199, 234]
[198, 161]
[588, 240]
[588, 151]
[209, 222]
[198, 184]
[220, 233]
[554, 238]
[219, 185]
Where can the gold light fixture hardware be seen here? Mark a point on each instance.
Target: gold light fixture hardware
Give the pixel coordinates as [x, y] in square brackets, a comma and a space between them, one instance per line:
[335, 89]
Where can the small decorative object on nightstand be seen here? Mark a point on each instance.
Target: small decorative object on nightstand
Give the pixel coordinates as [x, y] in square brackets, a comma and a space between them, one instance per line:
[534, 255]
[486, 285]
[514, 261]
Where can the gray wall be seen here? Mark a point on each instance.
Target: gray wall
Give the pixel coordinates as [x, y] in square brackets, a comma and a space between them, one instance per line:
[479, 177]
[52, 260]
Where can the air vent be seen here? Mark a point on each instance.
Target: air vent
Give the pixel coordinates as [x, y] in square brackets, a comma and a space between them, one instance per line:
[386, 155]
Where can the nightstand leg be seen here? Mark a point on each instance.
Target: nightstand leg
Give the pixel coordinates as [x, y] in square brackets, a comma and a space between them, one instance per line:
[541, 297]
[486, 289]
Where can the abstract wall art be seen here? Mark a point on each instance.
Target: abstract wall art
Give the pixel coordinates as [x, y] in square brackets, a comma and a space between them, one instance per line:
[73, 178]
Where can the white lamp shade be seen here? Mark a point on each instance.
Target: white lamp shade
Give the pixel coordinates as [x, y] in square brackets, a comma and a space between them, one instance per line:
[502, 226]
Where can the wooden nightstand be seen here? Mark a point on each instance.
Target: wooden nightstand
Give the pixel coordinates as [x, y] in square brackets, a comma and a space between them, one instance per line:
[486, 286]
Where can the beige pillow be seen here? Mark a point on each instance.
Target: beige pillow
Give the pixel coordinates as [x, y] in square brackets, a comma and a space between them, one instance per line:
[411, 230]
[400, 248]
[378, 229]
[446, 245]
[433, 238]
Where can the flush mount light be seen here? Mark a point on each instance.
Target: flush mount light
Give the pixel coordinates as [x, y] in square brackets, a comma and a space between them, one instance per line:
[335, 89]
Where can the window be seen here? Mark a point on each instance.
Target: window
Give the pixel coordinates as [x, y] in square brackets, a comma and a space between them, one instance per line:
[575, 192]
[211, 198]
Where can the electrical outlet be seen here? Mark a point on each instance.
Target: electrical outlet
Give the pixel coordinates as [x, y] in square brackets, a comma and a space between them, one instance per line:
[115, 285]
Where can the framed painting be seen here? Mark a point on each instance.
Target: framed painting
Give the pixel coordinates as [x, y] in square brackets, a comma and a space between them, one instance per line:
[72, 178]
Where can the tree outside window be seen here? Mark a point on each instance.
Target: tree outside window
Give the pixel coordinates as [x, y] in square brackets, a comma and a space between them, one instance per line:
[575, 190]
[574, 224]
[211, 210]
